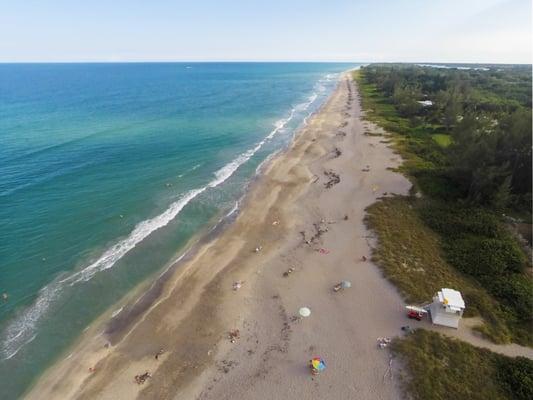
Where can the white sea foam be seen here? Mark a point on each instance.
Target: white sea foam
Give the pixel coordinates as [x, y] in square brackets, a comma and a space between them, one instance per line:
[194, 168]
[18, 334]
[117, 312]
[20, 331]
[261, 165]
[141, 231]
[235, 208]
[175, 261]
[23, 327]
[14, 352]
[169, 266]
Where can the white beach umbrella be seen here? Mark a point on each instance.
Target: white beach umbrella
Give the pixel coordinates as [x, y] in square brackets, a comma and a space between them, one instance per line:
[346, 284]
[305, 312]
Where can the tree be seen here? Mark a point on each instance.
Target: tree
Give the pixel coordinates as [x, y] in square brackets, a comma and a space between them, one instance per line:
[405, 98]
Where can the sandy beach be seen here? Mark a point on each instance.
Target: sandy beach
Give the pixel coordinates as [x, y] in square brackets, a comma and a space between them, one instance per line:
[305, 212]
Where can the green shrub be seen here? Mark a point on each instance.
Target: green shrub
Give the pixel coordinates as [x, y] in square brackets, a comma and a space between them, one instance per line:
[452, 220]
[434, 183]
[516, 291]
[444, 368]
[516, 377]
[484, 258]
[410, 255]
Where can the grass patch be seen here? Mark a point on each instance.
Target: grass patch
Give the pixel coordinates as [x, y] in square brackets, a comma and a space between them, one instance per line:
[378, 109]
[411, 257]
[444, 368]
[442, 139]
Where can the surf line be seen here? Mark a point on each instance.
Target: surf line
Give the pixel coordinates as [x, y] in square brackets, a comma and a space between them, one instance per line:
[23, 327]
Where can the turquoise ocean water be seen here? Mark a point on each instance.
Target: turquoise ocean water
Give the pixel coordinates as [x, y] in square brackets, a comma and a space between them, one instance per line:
[107, 170]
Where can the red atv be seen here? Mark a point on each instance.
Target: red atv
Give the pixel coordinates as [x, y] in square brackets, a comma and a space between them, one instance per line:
[415, 315]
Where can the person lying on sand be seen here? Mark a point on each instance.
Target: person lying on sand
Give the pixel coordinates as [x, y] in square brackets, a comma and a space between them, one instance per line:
[140, 379]
[234, 335]
[160, 352]
[288, 272]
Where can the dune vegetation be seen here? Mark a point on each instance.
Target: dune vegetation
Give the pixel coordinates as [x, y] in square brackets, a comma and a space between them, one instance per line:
[444, 368]
[465, 137]
[470, 183]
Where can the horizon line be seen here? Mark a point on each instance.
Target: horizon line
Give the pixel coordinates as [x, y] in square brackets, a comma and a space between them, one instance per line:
[256, 61]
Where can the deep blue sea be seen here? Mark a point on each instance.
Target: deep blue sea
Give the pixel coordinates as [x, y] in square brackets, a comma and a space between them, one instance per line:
[108, 170]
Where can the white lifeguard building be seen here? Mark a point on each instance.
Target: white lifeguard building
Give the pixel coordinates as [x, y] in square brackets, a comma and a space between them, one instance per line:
[447, 308]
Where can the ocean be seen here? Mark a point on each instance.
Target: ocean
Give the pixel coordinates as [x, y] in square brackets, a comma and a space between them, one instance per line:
[109, 170]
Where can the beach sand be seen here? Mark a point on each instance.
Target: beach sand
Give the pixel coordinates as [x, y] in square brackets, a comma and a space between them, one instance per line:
[316, 191]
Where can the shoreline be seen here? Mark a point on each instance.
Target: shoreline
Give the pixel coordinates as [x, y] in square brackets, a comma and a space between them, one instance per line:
[195, 305]
[135, 301]
[206, 235]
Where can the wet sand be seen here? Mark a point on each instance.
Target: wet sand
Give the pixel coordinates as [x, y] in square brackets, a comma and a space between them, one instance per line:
[304, 212]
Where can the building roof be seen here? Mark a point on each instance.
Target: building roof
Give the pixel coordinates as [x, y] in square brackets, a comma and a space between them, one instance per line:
[451, 298]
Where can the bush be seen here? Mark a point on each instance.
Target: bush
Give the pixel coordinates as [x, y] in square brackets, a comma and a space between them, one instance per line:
[484, 258]
[444, 368]
[516, 377]
[434, 183]
[516, 291]
[454, 220]
[476, 242]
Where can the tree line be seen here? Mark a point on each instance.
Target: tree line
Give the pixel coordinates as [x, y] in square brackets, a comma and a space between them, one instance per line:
[488, 117]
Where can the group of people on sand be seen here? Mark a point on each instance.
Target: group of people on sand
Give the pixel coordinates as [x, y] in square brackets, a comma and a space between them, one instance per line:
[141, 378]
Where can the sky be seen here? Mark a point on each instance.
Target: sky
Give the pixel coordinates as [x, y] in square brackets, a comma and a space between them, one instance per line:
[463, 31]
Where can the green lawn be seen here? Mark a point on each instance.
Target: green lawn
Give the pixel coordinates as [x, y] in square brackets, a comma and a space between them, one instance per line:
[442, 139]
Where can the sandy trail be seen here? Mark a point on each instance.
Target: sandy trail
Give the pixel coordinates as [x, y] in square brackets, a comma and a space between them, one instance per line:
[467, 334]
[322, 183]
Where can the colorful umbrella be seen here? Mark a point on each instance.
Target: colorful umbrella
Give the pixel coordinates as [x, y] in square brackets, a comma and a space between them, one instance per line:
[318, 364]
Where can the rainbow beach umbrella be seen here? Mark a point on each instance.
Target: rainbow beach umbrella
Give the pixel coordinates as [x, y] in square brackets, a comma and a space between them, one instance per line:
[318, 364]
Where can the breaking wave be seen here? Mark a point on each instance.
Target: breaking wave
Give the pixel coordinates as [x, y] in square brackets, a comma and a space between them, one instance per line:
[21, 330]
